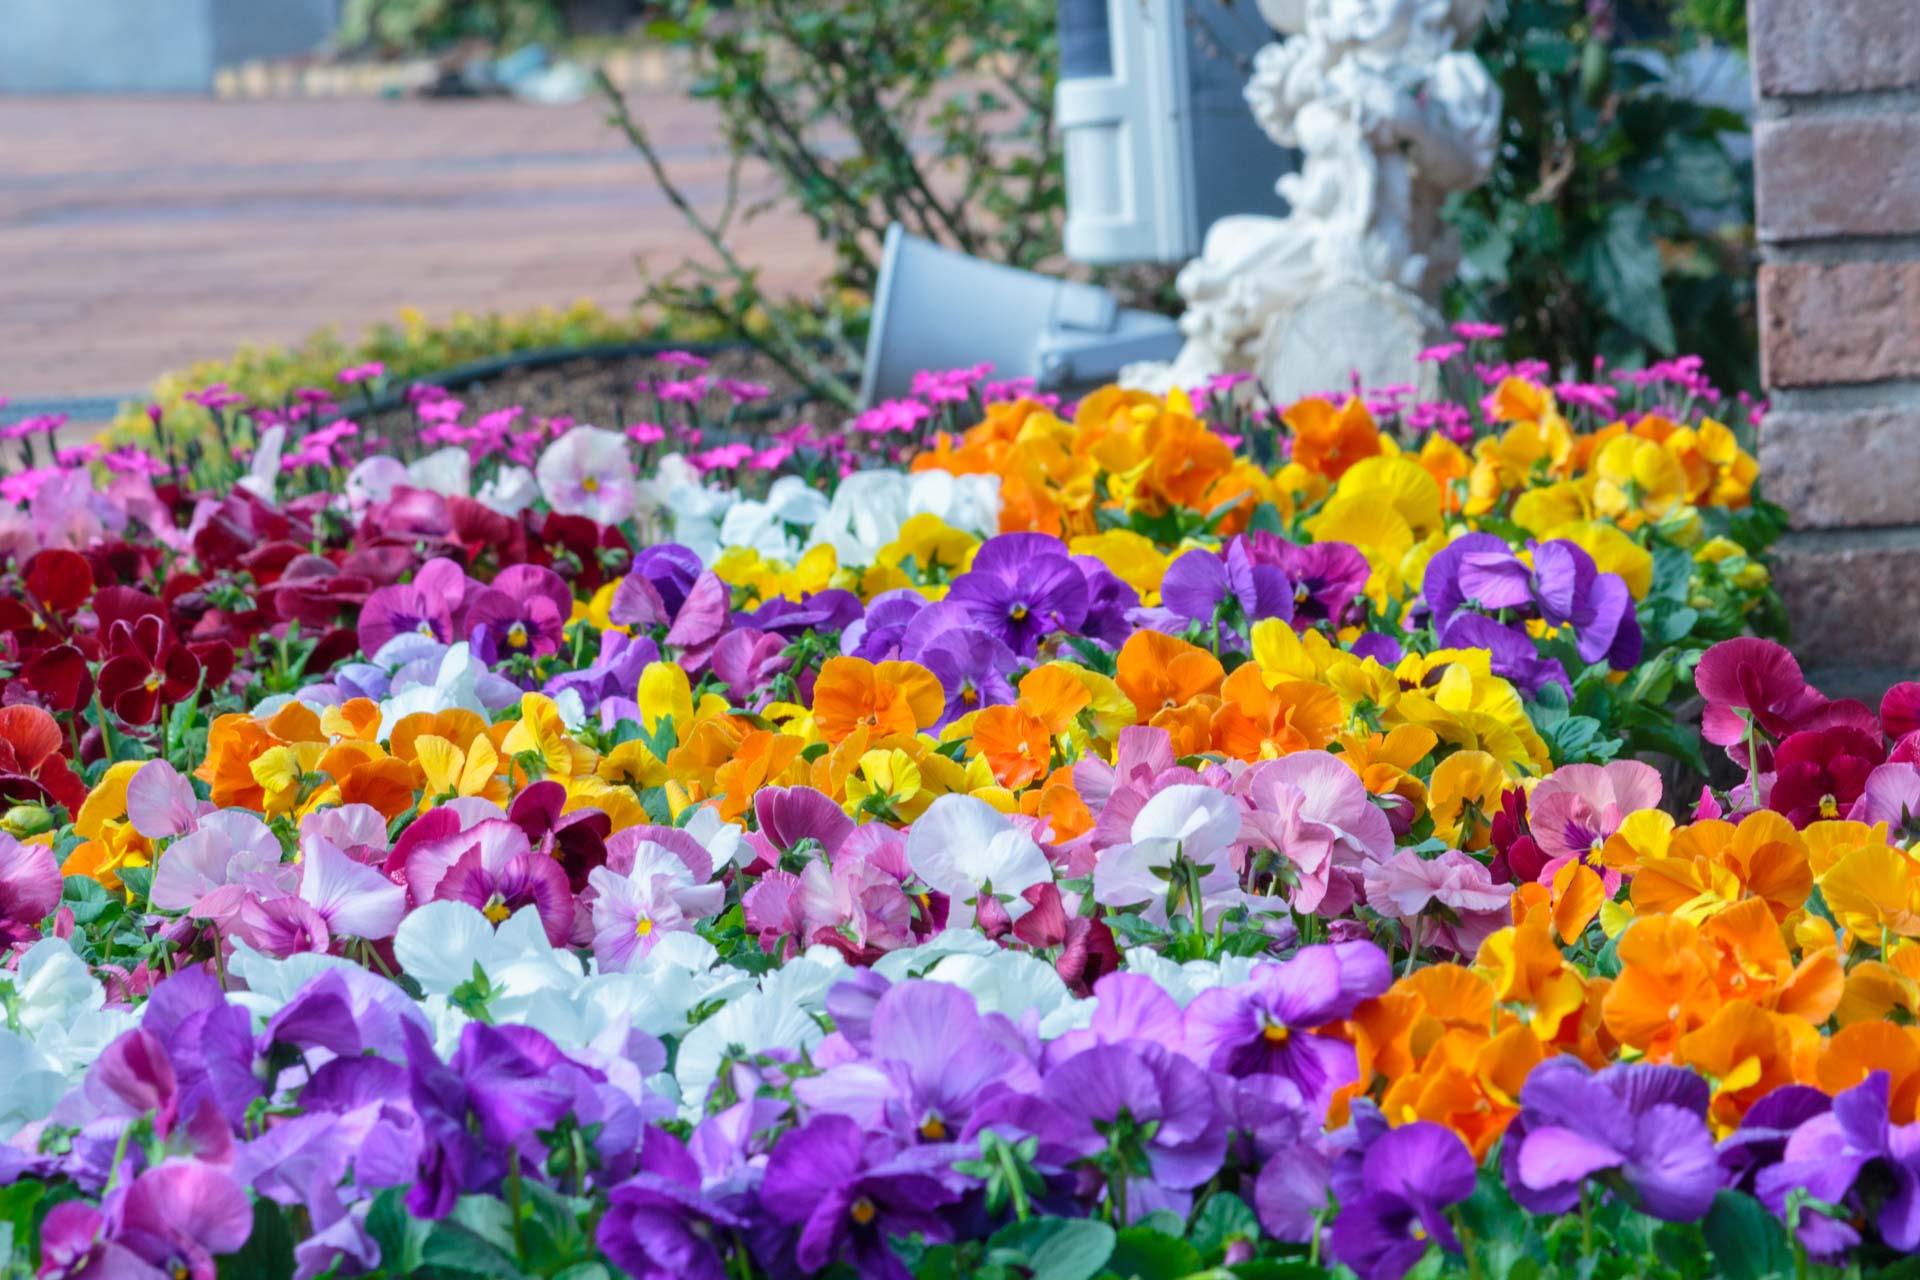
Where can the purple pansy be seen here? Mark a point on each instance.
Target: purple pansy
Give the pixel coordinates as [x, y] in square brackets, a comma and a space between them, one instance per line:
[1638, 1128]
[1393, 1199]
[1022, 586]
[1265, 1025]
[850, 1194]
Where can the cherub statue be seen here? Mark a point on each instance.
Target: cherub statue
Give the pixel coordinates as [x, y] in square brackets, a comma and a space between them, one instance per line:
[1389, 114]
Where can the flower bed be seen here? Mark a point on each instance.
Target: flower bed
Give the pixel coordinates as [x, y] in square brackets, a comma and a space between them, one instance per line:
[992, 838]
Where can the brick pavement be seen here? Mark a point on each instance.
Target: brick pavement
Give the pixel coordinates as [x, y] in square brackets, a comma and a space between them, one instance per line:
[137, 235]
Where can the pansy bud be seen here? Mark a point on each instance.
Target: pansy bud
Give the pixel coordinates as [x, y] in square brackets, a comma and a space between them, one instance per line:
[27, 820]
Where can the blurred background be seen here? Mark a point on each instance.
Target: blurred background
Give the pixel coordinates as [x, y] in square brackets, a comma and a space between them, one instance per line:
[264, 192]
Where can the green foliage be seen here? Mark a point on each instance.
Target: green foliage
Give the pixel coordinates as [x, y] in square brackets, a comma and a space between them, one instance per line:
[1617, 223]
[937, 114]
[409, 26]
[948, 105]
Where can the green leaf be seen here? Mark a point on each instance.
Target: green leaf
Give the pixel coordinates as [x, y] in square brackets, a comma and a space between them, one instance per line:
[87, 898]
[1748, 1243]
[1141, 1253]
[1058, 1248]
[1277, 1269]
[1623, 264]
[138, 879]
[1223, 1219]
[1692, 170]
[457, 1250]
[268, 1252]
[400, 1235]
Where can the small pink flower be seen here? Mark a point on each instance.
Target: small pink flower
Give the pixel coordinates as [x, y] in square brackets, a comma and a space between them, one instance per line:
[1473, 331]
[367, 372]
[682, 360]
[690, 391]
[744, 392]
[646, 433]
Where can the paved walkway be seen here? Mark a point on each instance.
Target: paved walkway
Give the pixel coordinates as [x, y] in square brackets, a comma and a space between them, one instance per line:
[137, 235]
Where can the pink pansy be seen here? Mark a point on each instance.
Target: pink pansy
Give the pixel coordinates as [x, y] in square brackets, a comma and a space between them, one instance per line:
[355, 900]
[437, 840]
[1573, 810]
[1754, 676]
[1900, 709]
[351, 826]
[228, 857]
[1316, 812]
[161, 803]
[588, 472]
[1471, 908]
[1892, 796]
[791, 912]
[632, 912]
[30, 888]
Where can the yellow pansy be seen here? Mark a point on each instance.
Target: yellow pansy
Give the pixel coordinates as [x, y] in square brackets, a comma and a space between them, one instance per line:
[890, 776]
[1131, 557]
[1400, 482]
[1873, 892]
[450, 771]
[1637, 481]
[932, 544]
[1463, 796]
[540, 730]
[1612, 552]
[665, 693]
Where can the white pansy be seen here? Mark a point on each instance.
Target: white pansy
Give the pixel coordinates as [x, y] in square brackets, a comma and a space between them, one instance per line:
[589, 472]
[724, 842]
[962, 844]
[512, 490]
[1185, 981]
[440, 944]
[969, 503]
[865, 515]
[456, 686]
[263, 470]
[447, 472]
[56, 1026]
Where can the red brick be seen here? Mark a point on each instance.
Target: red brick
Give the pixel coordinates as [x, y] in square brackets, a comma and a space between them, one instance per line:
[1834, 46]
[1844, 175]
[1844, 322]
[1831, 469]
[1844, 594]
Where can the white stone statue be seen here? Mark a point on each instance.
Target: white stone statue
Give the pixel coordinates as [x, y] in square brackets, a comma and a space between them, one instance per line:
[1389, 113]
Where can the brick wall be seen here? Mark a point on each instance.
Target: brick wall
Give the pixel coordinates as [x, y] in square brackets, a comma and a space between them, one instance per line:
[1837, 163]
